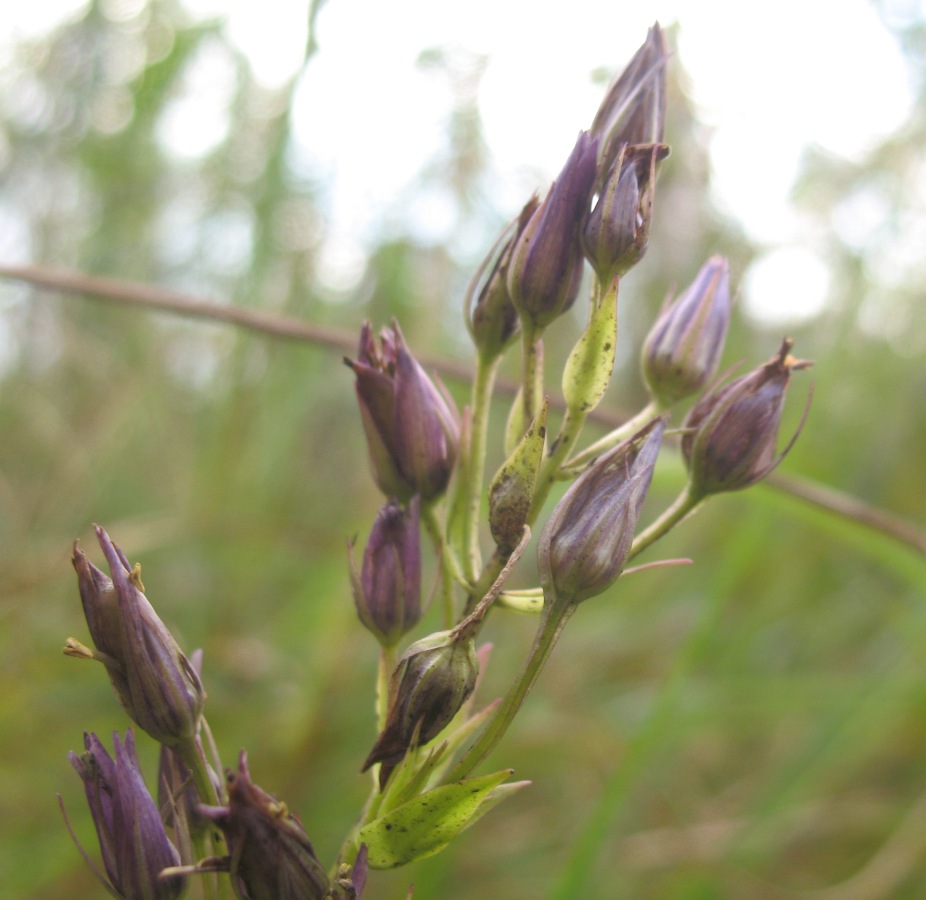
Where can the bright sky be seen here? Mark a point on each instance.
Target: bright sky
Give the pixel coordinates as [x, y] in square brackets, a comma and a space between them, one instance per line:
[769, 79]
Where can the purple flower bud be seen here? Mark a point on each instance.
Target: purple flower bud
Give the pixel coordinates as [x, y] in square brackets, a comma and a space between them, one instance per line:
[634, 108]
[133, 842]
[154, 681]
[491, 316]
[585, 542]
[270, 855]
[616, 233]
[387, 591]
[684, 346]
[412, 427]
[431, 682]
[546, 262]
[732, 432]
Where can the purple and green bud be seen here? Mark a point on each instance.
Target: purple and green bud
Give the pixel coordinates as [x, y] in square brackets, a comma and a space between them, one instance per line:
[387, 590]
[546, 262]
[492, 319]
[585, 543]
[512, 489]
[412, 427]
[617, 231]
[731, 434]
[430, 684]
[133, 842]
[155, 682]
[270, 855]
[684, 346]
[634, 107]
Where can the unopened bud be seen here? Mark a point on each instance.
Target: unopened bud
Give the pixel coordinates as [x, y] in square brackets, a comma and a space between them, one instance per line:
[586, 541]
[412, 426]
[387, 590]
[681, 353]
[432, 680]
[270, 855]
[153, 679]
[731, 434]
[133, 843]
[616, 234]
[546, 261]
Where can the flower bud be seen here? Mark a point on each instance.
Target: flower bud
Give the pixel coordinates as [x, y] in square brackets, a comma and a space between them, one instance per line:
[431, 682]
[684, 346]
[492, 320]
[586, 541]
[731, 433]
[270, 855]
[412, 427]
[133, 842]
[615, 236]
[153, 679]
[387, 590]
[546, 261]
[634, 107]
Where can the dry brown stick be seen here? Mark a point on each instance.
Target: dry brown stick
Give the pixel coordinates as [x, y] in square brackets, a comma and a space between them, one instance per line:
[131, 293]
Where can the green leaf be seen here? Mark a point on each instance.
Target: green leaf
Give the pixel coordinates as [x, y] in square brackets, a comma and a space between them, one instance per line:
[425, 825]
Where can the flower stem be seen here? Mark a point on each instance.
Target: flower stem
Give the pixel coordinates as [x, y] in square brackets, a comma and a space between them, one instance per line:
[613, 438]
[683, 506]
[449, 569]
[550, 467]
[555, 617]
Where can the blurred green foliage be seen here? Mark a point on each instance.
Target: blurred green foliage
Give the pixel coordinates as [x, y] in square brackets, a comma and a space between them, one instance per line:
[752, 726]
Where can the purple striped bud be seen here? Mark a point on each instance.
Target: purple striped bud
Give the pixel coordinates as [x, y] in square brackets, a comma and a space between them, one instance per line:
[634, 108]
[387, 590]
[732, 432]
[412, 427]
[270, 855]
[617, 231]
[153, 679]
[133, 842]
[586, 541]
[546, 262]
[683, 348]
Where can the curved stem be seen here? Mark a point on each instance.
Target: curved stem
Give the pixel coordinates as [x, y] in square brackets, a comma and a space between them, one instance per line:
[555, 617]
[683, 506]
[613, 438]
[449, 569]
[474, 476]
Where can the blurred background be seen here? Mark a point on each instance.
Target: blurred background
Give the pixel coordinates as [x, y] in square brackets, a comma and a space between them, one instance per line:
[752, 726]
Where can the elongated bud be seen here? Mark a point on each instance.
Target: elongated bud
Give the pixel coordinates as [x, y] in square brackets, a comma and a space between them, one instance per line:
[634, 107]
[270, 855]
[512, 488]
[546, 262]
[585, 542]
[731, 433]
[133, 842]
[491, 316]
[683, 348]
[411, 425]
[589, 366]
[615, 237]
[387, 590]
[431, 682]
[153, 679]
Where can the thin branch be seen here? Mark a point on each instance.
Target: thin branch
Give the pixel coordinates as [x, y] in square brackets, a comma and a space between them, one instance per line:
[144, 296]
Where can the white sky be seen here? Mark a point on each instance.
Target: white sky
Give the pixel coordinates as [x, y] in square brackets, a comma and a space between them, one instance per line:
[769, 79]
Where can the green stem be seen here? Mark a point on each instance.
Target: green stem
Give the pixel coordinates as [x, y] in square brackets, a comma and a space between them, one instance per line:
[613, 438]
[449, 569]
[555, 617]
[474, 477]
[206, 841]
[683, 506]
[532, 373]
[549, 469]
